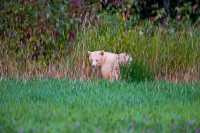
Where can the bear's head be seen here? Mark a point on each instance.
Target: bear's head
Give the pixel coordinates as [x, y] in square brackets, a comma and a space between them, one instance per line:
[96, 58]
[124, 58]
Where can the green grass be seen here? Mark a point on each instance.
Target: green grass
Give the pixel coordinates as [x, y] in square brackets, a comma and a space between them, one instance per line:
[98, 106]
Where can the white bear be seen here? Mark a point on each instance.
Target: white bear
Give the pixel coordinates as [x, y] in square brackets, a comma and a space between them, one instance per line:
[109, 63]
[106, 61]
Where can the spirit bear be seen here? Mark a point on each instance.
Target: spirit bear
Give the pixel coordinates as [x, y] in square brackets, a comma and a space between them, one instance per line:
[109, 63]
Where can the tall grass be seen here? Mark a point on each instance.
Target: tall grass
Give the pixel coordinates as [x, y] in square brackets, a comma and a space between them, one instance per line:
[164, 50]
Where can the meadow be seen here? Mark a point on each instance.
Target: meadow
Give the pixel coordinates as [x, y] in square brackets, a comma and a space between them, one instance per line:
[47, 85]
[52, 105]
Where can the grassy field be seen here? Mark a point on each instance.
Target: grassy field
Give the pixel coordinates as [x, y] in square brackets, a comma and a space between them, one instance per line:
[98, 106]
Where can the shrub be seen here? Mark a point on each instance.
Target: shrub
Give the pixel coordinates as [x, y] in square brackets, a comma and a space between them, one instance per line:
[136, 71]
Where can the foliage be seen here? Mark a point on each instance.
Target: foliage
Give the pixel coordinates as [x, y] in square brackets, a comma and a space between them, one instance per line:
[157, 10]
[34, 30]
[136, 71]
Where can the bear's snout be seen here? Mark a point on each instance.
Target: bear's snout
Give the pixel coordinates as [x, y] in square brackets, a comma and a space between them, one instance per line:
[94, 64]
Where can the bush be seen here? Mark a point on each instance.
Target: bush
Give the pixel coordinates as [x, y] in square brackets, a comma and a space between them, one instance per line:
[136, 71]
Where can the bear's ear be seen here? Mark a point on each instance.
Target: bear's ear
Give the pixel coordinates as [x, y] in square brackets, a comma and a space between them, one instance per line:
[102, 52]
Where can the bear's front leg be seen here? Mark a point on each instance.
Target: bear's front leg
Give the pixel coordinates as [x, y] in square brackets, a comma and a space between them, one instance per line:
[116, 72]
